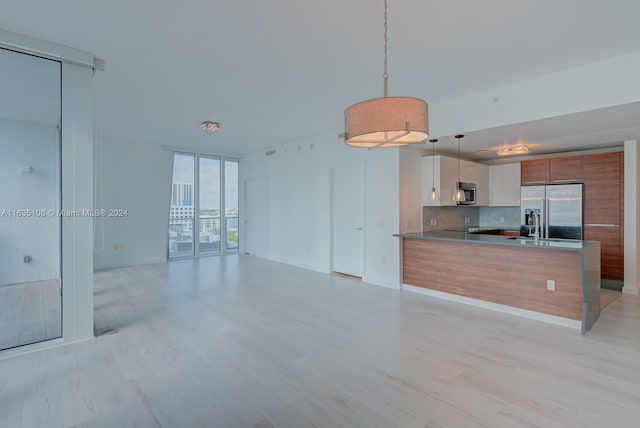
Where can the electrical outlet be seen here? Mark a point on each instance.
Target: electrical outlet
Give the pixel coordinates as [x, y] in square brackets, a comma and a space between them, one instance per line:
[551, 285]
[501, 219]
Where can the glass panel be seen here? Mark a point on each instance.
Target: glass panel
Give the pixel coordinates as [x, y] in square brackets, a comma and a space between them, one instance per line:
[30, 189]
[209, 213]
[182, 210]
[231, 203]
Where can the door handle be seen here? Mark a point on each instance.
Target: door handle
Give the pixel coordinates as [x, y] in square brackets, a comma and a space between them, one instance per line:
[359, 228]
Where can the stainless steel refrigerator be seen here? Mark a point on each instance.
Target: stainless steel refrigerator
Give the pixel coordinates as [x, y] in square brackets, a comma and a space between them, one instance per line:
[558, 208]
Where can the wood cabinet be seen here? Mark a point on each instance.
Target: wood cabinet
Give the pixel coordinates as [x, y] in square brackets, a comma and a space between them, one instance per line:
[534, 172]
[604, 209]
[551, 171]
[505, 185]
[565, 169]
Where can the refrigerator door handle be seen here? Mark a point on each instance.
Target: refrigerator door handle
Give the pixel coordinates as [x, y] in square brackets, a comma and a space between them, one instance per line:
[546, 220]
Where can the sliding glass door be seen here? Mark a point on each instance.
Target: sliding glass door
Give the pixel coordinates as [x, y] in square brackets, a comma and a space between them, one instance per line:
[204, 206]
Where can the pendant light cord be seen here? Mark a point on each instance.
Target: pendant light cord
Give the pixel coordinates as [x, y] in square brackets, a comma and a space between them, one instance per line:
[385, 75]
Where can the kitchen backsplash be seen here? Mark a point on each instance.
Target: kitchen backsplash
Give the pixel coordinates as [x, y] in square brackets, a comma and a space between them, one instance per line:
[500, 217]
[439, 218]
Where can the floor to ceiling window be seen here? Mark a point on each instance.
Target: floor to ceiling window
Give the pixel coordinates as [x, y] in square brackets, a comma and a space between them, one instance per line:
[204, 206]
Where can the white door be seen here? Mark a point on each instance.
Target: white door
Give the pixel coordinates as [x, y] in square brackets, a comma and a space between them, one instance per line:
[348, 220]
[255, 216]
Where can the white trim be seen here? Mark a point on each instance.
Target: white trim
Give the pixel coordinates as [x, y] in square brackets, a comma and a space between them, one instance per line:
[31, 45]
[551, 319]
[382, 283]
[201, 151]
[130, 263]
[36, 347]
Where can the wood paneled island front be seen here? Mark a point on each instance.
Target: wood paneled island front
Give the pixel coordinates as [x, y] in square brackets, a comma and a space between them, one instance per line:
[508, 271]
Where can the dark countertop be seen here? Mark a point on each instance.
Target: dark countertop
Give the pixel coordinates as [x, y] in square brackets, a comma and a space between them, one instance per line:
[514, 241]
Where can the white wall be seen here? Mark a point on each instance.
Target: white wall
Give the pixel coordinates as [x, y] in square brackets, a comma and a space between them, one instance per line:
[411, 188]
[631, 217]
[299, 217]
[34, 146]
[135, 177]
[598, 85]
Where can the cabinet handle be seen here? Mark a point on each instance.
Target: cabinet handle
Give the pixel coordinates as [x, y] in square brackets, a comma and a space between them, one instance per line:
[534, 182]
[600, 225]
[571, 180]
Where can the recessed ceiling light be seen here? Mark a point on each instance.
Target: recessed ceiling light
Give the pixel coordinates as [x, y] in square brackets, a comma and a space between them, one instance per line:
[512, 150]
[210, 127]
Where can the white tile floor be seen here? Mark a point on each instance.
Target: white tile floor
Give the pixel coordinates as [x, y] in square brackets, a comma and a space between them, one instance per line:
[242, 342]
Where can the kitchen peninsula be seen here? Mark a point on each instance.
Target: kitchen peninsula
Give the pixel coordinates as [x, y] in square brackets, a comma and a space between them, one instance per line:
[557, 279]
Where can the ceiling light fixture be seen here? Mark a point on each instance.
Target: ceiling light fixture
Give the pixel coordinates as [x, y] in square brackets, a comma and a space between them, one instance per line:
[434, 193]
[458, 195]
[210, 127]
[512, 150]
[387, 121]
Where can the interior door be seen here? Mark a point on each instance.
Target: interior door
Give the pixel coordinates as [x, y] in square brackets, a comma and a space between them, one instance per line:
[256, 216]
[348, 220]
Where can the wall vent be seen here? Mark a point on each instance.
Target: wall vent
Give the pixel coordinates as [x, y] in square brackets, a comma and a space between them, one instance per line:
[270, 153]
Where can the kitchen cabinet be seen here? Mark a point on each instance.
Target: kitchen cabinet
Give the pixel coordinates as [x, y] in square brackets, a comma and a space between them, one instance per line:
[604, 209]
[505, 185]
[565, 169]
[441, 172]
[534, 172]
[561, 170]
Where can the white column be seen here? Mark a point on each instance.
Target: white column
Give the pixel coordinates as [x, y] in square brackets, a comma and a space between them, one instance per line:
[631, 217]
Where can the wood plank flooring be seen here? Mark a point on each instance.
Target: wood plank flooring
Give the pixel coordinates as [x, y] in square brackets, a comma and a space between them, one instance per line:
[29, 313]
[237, 341]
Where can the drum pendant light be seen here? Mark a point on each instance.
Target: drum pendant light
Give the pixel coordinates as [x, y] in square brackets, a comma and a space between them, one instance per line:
[387, 121]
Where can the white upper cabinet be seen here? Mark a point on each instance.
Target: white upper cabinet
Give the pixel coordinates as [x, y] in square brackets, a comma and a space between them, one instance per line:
[505, 185]
[471, 172]
[441, 172]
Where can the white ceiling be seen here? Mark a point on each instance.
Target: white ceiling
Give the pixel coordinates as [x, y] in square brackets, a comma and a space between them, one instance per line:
[275, 71]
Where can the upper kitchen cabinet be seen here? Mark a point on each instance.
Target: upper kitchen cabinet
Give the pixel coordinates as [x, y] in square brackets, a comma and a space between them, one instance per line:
[534, 172]
[565, 169]
[505, 185]
[441, 172]
[551, 171]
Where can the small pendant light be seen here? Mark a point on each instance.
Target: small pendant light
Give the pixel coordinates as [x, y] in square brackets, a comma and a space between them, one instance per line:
[434, 193]
[458, 195]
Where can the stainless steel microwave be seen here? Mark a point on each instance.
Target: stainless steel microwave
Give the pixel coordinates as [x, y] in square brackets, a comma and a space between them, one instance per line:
[469, 190]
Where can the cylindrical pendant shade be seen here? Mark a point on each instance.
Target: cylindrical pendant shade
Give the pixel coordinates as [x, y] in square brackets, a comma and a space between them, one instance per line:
[386, 122]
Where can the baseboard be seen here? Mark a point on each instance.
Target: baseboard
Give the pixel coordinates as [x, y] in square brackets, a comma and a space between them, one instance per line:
[382, 282]
[551, 319]
[104, 266]
[40, 346]
[631, 289]
[298, 264]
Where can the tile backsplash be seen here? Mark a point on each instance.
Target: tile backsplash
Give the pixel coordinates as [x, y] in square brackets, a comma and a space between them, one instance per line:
[439, 218]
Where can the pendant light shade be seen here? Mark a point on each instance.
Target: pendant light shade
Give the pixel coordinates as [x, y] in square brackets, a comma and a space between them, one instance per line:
[387, 121]
[458, 195]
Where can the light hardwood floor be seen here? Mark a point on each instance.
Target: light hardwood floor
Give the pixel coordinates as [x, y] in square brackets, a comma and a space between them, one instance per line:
[241, 342]
[30, 312]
